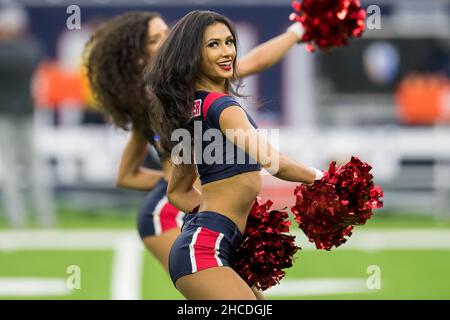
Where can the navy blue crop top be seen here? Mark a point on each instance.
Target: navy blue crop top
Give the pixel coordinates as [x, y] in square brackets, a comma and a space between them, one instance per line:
[219, 157]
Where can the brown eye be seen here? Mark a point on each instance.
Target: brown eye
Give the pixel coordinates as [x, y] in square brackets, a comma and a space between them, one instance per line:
[230, 42]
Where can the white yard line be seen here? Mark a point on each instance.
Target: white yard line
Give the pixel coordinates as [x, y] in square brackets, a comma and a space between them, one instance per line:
[28, 287]
[375, 239]
[62, 239]
[127, 265]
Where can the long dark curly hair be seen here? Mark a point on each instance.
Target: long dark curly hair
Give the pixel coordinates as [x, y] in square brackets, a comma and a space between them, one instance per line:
[173, 72]
[115, 58]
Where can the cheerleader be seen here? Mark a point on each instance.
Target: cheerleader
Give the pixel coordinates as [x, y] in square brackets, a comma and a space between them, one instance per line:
[200, 53]
[115, 58]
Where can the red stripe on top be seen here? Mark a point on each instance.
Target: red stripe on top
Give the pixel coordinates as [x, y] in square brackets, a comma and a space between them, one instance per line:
[204, 249]
[168, 217]
[209, 100]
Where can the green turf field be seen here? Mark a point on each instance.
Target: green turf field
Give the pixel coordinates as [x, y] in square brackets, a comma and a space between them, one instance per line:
[404, 274]
[95, 266]
[412, 273]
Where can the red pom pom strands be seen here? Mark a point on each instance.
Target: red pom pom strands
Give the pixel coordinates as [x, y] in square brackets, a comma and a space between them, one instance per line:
[329, 23]
[327, 210]
[267, 249]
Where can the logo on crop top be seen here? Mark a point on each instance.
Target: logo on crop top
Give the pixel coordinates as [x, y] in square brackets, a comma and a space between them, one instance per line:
[196, 108]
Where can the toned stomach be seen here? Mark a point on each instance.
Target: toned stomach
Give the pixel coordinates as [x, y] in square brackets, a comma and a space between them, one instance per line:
[233, 197]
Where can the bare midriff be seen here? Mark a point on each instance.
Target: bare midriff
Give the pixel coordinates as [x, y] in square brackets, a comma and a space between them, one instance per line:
[233, 197]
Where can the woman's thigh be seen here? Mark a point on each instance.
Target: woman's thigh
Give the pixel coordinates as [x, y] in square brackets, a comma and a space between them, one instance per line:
[219, 283]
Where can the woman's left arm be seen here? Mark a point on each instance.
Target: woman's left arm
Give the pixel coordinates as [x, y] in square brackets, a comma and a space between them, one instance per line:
[270, 52]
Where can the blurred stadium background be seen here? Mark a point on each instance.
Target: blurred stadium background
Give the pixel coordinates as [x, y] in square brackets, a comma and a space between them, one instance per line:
[384, 98]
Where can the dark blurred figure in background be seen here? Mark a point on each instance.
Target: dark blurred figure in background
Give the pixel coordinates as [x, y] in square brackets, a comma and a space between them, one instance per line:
[22, 167]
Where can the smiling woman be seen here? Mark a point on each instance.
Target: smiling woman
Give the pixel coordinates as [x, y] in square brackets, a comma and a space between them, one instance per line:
[190, 83]
[218, 54]
[200, 51]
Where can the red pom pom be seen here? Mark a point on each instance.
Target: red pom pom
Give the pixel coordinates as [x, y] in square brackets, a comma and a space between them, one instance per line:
[327, 210]
[267, 249]
[329, 23]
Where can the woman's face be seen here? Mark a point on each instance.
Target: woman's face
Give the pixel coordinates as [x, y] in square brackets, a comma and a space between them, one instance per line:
[218, 52]
[157, 33]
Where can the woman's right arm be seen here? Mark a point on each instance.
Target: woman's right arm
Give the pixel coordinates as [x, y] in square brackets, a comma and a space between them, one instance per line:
[131, 174]
[235, 125]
